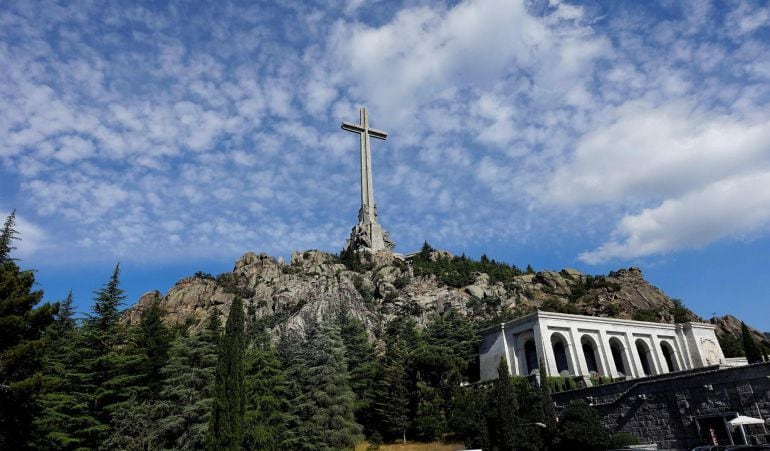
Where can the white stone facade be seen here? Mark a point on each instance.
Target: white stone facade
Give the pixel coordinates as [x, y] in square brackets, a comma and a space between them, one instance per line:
[580, 345]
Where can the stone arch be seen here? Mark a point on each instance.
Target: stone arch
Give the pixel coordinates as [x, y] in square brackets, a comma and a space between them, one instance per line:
[591, 354]
[530, 356]
[620, 357]
[669, 356]
[526, 353]
[561, 353]
[645, 357]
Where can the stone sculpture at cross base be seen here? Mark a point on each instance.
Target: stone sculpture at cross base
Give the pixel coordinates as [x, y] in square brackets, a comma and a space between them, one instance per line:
[367, 235]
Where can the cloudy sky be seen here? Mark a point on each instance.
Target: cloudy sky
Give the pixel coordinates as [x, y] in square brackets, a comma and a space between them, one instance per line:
[173, 137]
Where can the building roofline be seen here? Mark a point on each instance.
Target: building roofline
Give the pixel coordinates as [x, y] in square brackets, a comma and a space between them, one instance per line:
[596, 319]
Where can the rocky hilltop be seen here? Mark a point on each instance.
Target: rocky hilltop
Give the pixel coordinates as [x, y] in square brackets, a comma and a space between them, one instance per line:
[423, 285]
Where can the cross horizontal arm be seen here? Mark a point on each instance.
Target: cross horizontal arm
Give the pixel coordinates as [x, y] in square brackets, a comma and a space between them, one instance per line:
[358, 129]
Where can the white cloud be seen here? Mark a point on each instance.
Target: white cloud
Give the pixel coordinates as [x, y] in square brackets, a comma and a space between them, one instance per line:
[649, 153]
[732, 207]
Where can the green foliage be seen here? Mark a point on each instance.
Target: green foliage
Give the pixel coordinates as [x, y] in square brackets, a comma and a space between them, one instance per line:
[645, 315]
[226, 422]
[461, 271]
[430, 418]
[502, 411]
[8, 235]
[555, 305]
[181, 413]
[362, 366]
[750, 345]
[22, 345]
[267, 396]
[622, 439]
[680, 312]
[356, 261]
[731, 345]
[323, 405]
[580, 428]
[393, 399]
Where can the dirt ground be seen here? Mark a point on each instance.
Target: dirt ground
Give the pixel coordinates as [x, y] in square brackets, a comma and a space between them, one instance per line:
[414, 446]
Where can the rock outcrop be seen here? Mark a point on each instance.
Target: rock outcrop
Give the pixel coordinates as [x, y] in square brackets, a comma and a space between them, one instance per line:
[315, 283]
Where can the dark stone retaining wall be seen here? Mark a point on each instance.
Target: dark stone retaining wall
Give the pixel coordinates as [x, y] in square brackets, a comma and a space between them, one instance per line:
[662, 409]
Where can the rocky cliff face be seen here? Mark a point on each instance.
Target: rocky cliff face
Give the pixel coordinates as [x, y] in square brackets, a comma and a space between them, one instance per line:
[314, 283]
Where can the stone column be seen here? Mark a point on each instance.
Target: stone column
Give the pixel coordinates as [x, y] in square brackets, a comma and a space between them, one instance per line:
[506, 350]
[578, 359]
[544, 350]
[603, 346]
[633, 356]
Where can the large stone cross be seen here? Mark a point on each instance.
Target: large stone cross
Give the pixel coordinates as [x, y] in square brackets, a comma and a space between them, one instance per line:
[367, 233]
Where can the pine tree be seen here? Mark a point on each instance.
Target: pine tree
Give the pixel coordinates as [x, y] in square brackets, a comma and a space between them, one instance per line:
[59, 411]
[329, 419]
[226, 423]
[580, 428]
[267, 396]
[393, 394]
[152, 338]
[181, 414]
[136, 381]
[291, 352]
[90, 380]
[502, 420]
[753, 352]
[8, 235]
[363, 367]
[431, 420]
[22, 345]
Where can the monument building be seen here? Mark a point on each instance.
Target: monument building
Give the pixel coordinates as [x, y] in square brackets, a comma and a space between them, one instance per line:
[578, 345]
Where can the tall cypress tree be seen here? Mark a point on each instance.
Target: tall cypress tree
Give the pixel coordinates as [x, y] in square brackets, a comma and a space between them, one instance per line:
[753, 351]
[502, 419]
[22, 344]
[226, 423]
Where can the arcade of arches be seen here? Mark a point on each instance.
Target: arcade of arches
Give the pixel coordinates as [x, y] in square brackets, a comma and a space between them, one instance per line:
[580, 345]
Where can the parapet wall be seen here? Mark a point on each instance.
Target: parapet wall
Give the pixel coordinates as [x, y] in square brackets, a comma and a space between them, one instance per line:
[664, 409]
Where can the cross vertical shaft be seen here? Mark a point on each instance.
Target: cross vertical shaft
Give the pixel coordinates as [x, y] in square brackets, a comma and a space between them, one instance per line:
[368, 233]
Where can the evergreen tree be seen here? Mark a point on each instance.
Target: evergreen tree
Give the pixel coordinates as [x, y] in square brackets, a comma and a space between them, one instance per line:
[363, 367]
[184, 406]
[91, 380]
[267, 396]
[547, 409]
[502, 420]
[59, 414]
[580, 429]
[152, 339]
[22, 345]
[136, 380]
[8, 235]
[393, 398]
[329, 419]
[226, 423]
[468, 419]
[291, 352]
[431, 420]
[753, 352]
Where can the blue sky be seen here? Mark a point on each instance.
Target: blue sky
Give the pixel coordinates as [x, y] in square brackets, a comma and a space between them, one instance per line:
[175, 136]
